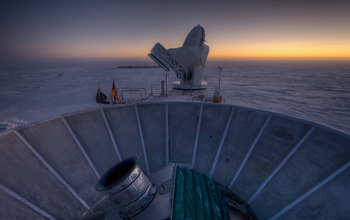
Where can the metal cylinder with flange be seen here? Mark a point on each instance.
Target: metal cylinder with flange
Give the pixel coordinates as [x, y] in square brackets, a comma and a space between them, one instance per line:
[128, 187]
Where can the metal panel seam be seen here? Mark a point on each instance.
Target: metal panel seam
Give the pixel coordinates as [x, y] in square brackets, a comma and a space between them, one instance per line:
[320, 184]
[197, 137]
[111, 135]
[26, 202]
[221, 143]
[63, 181]
[281, 164]
[81, 148]
[142, 140]
[249, 152]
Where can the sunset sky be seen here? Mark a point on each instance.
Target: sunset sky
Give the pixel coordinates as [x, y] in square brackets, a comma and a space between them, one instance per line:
[129, 29]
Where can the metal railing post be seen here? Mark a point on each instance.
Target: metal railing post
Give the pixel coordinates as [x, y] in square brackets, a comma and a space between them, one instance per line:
[166, 82]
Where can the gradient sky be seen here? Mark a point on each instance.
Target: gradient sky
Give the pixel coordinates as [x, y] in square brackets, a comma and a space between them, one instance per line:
[124, 29]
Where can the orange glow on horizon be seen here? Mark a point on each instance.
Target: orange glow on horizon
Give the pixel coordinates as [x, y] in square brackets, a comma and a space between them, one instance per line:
[212, 54]
[218, 54]
[261, 50]
[277, 56]
[283, 51]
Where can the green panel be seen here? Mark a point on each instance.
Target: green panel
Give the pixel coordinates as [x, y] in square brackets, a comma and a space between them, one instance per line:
[197, 197]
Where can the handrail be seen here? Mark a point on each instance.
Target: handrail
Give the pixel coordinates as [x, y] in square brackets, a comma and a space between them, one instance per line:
[131, 95]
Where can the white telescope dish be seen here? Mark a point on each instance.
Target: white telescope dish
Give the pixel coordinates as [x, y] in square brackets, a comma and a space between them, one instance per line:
[188, 61]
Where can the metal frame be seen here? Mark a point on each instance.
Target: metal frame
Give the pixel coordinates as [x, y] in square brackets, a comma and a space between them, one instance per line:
[81, 148]
[111, 135]
[249, 152]
[197, 137]
[319, 185]
[63, 181]
[175, 65]
[281, 164]
[142, 139]
[26, 202]
[221, 144]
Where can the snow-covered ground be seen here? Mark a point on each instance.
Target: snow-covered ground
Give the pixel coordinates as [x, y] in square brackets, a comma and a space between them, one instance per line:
[316, 92]
[31, 94]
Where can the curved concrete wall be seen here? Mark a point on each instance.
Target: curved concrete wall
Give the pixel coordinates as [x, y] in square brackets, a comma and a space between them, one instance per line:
[284, 168]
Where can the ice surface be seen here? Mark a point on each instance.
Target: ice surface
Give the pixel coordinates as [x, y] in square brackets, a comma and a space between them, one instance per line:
[315, 91]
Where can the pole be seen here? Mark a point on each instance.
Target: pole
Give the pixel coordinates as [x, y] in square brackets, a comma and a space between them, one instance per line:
[166, 84]
[220, 68]
[162, 94]
[98, 84]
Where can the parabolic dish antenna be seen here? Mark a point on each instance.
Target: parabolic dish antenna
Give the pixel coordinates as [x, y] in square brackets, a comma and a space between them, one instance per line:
[195, 38]
[188, 61]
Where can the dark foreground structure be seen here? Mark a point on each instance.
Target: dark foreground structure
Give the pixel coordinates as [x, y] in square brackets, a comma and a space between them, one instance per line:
[284, 168]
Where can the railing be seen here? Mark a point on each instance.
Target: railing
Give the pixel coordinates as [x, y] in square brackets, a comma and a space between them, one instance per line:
[156, 89]
[130, 95]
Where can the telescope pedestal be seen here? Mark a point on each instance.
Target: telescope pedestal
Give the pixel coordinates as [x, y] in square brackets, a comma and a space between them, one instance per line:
[179, 85]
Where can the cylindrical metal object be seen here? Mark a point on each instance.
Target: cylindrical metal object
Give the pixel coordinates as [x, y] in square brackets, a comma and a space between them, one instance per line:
[128, 187]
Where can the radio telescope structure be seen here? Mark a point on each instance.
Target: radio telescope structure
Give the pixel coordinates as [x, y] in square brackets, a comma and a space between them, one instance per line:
[188, 61]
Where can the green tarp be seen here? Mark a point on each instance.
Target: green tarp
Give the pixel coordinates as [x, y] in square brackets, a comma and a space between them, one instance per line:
[197, 197]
